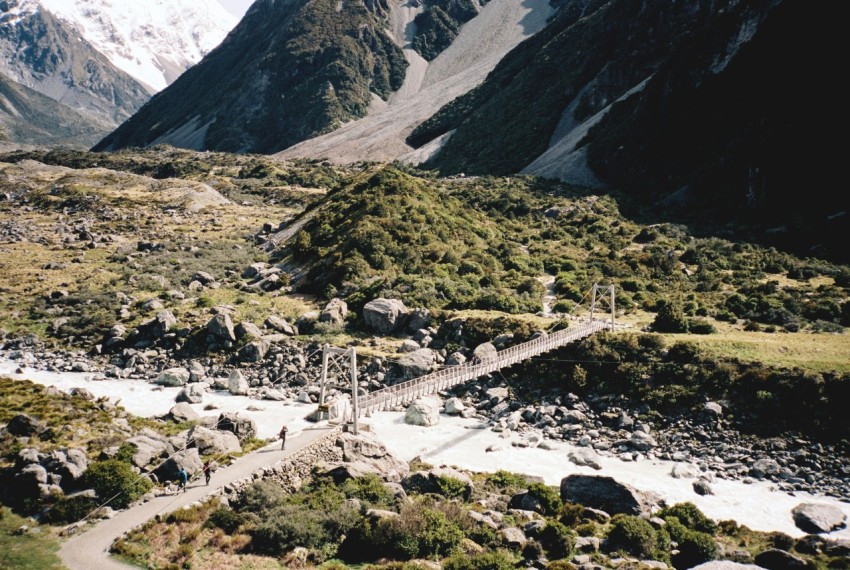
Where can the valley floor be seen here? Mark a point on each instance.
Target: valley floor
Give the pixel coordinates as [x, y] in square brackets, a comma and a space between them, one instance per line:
[470, 444]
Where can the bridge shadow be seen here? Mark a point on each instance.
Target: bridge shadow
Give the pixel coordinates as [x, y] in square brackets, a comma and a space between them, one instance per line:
[455, 441]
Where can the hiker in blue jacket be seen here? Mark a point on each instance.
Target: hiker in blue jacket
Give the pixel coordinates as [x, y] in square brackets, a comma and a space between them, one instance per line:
[182, 479]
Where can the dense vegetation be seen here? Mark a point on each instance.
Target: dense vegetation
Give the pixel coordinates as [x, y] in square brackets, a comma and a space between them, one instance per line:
[364, 522]
[483, 243]
[438, 24]
[316, 67]
[668, 381]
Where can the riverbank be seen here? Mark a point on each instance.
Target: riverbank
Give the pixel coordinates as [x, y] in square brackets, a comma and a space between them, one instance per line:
[469, 443]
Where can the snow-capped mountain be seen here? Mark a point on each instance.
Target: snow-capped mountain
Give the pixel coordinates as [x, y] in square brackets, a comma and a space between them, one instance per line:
[48, 55]
[153, 41]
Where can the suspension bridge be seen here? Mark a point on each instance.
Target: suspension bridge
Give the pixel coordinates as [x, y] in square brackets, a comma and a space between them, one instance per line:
[407, 391]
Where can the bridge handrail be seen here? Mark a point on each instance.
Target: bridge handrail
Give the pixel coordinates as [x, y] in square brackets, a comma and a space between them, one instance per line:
[460, 372]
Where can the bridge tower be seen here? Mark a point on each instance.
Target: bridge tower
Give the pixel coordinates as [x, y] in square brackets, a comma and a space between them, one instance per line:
[603, 294]
[340, 358]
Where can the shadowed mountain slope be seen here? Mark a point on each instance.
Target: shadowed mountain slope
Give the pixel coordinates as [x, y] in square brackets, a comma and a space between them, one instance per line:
[30, 118]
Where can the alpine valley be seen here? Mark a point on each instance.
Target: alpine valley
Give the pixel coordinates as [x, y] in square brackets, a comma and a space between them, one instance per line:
[551, 284]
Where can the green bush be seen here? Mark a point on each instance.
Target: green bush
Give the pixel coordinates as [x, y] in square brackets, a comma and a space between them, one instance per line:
[495, 560]
[226, 519]
[289, 526]
[369, 489]
[694, 547]
[507, 480]
[418, 532]
[557, 539]
[634, 535]
[549, 498]
[259, 498]
[70, 509]
[115, 481]
[452, 488]
[689, 515]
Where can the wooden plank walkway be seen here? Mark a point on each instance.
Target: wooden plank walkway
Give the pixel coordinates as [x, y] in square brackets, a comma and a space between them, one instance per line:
[404, 392]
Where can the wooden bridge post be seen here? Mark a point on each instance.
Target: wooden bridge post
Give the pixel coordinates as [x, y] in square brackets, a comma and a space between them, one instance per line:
[355, 393]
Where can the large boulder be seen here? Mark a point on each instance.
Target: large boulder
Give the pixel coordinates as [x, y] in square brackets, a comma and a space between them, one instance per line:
[183, 412]
[213, 442]
[243, 427]
[433, 481]
[765, 468]
[192, 393]
[776, 559]
[148, 447]
[279, 324]
[249, 330]
[173, 377]
[423, 412]
[454, 406]
[367, 450]
[236, 383]
[23, 425]
[818, 518]
[600, 492]
[385, 315]
[254, 351]
[485, 351]
[334, 312]
[221, 327]
[416, 363]
[585, 457]
[188, 459]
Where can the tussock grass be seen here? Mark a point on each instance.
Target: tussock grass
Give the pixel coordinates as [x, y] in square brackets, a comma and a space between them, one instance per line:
[35, 549]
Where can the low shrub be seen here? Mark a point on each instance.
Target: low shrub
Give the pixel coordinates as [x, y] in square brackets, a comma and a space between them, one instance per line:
[634, 535]
[226, 519]
[70, 509]
[495, 560]
[557, 539]
[549, 498]
[116, 482]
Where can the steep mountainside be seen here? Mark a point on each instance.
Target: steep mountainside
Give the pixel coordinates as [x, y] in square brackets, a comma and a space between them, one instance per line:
[708, 112]
[475, 51]
[153, 41]
[290, 70]
[47, 55]
[28, 117]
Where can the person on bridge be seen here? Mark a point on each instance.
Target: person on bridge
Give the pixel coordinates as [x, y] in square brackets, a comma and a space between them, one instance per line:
[282, 436]
[182, 479]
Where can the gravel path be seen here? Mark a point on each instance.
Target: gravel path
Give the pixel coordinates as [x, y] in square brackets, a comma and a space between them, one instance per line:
[90, 548]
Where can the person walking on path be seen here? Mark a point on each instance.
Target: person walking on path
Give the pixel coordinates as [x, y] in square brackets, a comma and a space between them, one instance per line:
[207, 470]
[182, 479]
[282, 436]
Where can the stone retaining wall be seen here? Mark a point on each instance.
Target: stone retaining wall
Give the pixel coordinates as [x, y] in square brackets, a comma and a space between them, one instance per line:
[290, 472]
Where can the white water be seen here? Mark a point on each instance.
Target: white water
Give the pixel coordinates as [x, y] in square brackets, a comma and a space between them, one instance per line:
[453, 442]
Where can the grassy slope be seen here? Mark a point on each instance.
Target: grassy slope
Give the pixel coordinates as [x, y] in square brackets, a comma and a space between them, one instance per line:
[33, 550]
[449, 245]
[131, 209]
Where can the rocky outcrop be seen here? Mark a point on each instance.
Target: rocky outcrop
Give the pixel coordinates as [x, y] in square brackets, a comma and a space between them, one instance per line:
[818, 518]
[605, 493]
[385, 316]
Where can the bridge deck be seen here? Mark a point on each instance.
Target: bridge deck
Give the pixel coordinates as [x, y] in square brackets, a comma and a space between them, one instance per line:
[445, 378]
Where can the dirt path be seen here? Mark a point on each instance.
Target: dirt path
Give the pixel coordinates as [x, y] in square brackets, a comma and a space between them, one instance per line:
[90, 548]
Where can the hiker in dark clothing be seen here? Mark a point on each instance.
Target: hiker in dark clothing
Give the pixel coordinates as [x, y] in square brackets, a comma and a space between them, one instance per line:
[282, 436]
[207, 470]
[182, 479]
